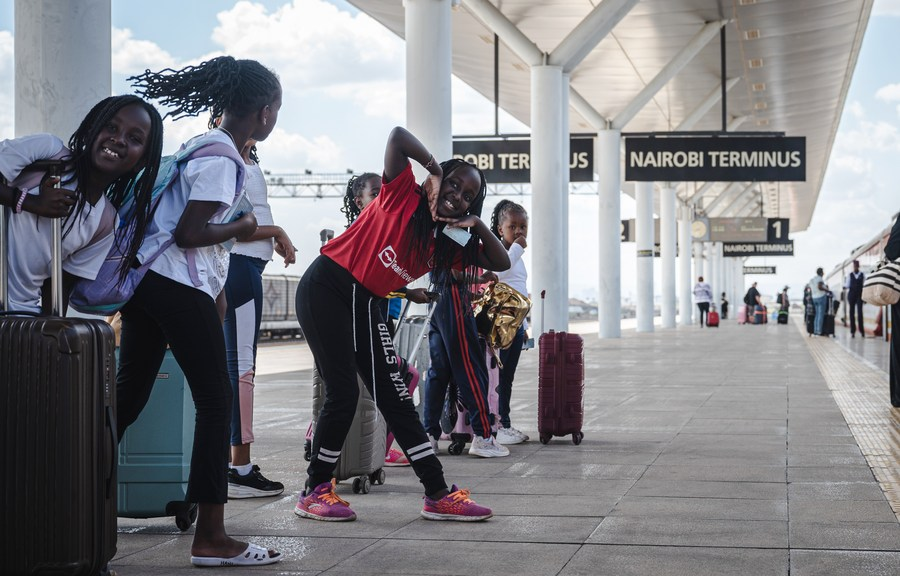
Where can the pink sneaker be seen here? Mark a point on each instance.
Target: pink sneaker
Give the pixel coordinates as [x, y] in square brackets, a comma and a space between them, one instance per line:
[323, 504]
[396, 458]
[455, 506]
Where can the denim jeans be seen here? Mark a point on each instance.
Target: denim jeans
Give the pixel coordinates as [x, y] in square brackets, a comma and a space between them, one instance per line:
[819, 304]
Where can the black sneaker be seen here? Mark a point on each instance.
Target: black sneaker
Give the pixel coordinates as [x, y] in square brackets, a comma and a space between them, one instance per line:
[253, 485]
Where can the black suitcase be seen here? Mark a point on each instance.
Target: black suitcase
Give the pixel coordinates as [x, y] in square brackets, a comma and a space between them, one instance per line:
[57, 415]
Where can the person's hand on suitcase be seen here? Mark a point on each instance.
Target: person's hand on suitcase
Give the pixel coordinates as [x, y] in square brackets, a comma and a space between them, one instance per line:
[419, 295]
[51, 202]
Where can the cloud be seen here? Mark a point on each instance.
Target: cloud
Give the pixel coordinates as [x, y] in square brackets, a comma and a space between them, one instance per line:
[889, 93]
[886, 8]
[131, 56]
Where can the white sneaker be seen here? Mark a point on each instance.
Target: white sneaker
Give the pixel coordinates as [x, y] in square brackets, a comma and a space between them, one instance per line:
[509, 436]
[434, 443]
[487, 448]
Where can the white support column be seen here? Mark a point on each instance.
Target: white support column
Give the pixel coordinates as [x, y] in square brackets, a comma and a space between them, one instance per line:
[428, 71]
[713, 279]
[564, 190]
[643, 236]
[63, 62]
[610, 213]
[667, 253]
[547, 199]
[685, 241]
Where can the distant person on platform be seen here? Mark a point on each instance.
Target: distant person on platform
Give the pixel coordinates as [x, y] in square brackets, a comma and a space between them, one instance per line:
[752, 299]
[892, 252]
[818, 292]
[854, 286]
[703, 296]
[724, 307]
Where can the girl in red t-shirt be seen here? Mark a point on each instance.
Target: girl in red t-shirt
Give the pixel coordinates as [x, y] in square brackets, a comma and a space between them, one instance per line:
[397, 238]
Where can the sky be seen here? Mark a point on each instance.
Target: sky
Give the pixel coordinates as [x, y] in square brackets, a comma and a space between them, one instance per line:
[344, 89]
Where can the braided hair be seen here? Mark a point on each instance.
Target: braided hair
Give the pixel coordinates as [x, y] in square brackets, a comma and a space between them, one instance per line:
[355, 187]
[241, 87]
[503, 209]
[138, 183]
[423, 228]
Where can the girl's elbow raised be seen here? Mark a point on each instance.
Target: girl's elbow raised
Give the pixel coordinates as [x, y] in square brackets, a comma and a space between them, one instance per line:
[184, 239]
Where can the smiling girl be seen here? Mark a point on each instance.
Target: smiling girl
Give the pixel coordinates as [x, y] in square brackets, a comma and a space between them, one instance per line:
[119, 137]
[396, 239]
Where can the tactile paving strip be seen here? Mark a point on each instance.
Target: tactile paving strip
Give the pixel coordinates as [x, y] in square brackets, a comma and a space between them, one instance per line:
[863, 396]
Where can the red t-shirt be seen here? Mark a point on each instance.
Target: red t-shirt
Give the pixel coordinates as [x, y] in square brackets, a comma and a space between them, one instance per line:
[373, 249]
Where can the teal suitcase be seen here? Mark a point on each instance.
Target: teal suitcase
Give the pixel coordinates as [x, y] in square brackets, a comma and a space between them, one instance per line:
[155, 452]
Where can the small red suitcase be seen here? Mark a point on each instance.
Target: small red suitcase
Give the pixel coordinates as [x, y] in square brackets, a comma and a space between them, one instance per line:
[712, 319]
[561, 386]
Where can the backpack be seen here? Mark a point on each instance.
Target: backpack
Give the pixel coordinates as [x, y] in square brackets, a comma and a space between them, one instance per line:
[108, 293]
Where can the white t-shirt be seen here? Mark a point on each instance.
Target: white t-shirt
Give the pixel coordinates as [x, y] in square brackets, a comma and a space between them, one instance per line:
[255, 188]
[30, 237]
[516, 276]
[702, 293]
[814, 287]
[209, 179]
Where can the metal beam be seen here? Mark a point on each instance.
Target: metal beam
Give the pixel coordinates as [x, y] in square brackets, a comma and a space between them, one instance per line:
[711, 99]
[735, 200]
[751, 201]
[698, 194]
[522, 46]
[685, 55]
[589, 32]
[722, 195]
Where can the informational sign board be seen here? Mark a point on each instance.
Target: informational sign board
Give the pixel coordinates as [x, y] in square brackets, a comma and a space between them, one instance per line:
[758, 249]
[509, 161]
[715, 159]
[766, 230]
[759, 270]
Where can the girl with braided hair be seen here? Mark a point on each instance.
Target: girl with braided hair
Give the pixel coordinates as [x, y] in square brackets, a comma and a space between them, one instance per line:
[114, 152]
[396, 239]
[509, 222]
[175, 303]
[361, 190]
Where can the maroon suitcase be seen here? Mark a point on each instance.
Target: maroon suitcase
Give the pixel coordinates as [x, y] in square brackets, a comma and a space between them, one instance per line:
[561, 386]
[58, 435]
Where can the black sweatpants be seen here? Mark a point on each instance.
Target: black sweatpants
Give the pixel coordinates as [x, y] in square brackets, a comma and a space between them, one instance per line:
[895, 356]
[162, 312]
[347, 334]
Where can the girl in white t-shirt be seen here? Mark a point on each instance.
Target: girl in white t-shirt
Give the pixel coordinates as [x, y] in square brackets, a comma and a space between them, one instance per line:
[509, 222]
[175, 303]
[244, 295]
[120, 136]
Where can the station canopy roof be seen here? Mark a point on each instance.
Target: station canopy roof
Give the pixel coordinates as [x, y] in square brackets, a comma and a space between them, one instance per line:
[793, 61]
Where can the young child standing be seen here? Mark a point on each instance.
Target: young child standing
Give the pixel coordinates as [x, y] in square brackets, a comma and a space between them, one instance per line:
[244, 295]
[397, 239]
[175, 303]
[116, 149]
[509, 222]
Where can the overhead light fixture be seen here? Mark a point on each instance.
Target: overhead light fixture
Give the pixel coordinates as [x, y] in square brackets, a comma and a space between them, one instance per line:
[752, 34]
[760, 106]
[487, 39]
[755, 63]
[746, 2]
[762, 122]
[758, 86]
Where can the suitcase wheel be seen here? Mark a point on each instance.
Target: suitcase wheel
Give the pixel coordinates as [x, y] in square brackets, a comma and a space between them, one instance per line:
[185, 514]
[361, 484]
[456, 447]
[577, 437]
[377, 477]
[545, 438]
[307, 450]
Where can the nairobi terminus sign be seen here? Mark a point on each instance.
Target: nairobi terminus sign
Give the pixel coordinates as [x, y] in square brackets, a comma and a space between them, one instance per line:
[715, 159]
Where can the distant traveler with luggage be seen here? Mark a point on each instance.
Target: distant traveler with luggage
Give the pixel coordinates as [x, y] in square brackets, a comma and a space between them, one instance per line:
[784, 306]
[752, 300]
[892, 252]
[853, 287]
[703, 296]
[398, 238]
[724, 307]
[818, 291]
[244, 295]
[175, 303]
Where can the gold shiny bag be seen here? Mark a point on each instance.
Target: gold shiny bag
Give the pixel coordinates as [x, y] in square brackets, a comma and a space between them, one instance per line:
[499, 312]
